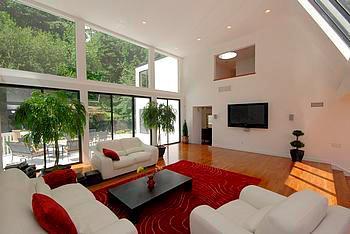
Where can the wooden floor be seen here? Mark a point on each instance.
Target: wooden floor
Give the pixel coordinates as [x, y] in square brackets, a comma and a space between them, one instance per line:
[277, 174]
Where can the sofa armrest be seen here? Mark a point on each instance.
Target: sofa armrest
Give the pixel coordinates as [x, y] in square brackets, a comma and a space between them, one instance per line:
[337, 221]
[122, 226]
[204, 219]
[153, 150]
[103, 164]
[259, 197]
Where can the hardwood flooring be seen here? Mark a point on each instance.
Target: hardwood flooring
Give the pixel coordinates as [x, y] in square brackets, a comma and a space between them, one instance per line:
[277, 174]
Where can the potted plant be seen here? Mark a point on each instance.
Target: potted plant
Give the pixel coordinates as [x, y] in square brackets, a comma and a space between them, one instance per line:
[296, 153]
[49, 117]
[184, 133]
[159, 117]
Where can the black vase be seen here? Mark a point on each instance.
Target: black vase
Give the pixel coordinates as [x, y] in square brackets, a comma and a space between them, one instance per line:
[297, 155]
[161, 151]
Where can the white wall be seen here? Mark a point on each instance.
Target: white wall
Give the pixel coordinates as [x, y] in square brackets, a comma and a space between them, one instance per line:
[296, 64]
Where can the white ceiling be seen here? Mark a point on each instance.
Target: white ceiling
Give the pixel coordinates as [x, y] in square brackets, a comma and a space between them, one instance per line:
[173, 25]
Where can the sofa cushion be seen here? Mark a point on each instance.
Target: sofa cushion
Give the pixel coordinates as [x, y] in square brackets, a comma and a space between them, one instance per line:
[51, 216]
[111, 154]
[71, 195]
[125, 161]
[129, 143]
[140, 156]
[114, 145]
[91, 216]
[300, 213]
[253, 221]
[60, 177]
[134, 150]
[237, 211]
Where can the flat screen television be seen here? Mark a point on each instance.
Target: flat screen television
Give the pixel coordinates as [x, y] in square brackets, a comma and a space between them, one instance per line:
[252, 115]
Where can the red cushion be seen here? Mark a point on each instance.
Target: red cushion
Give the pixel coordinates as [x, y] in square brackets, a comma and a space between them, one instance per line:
[60, 177]
[111, 154]
[51, 216]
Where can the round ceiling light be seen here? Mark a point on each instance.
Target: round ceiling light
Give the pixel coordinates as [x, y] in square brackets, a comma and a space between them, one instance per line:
[228, 55]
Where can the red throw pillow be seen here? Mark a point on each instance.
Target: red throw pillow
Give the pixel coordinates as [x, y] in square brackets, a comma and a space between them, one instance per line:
[51, 216]
[111, 154]
[60, 177]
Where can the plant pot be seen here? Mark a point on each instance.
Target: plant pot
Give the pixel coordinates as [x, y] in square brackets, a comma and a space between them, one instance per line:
[185, 139]
[150, 183]
[297, 155]
[161, 150]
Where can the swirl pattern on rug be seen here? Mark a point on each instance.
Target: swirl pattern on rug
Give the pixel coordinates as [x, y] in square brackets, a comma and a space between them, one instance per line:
[210, 186]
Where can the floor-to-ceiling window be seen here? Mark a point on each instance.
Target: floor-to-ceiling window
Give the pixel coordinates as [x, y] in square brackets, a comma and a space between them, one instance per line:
[140, 130]
[14, 148]
[46, 48]
[174, 137]
[113, 116]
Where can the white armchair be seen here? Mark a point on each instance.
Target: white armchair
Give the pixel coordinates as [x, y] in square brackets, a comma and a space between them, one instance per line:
[264, 212]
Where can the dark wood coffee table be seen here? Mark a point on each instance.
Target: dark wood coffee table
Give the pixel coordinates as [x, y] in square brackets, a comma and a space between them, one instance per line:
[135, 194]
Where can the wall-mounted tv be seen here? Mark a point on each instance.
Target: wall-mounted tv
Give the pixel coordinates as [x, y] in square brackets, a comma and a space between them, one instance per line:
[252, 115]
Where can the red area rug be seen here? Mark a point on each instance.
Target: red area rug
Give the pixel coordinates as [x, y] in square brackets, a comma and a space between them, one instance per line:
[210, 186]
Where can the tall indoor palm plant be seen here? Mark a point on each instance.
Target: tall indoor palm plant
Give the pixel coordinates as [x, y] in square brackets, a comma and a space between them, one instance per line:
[49, 117]
[159, 117]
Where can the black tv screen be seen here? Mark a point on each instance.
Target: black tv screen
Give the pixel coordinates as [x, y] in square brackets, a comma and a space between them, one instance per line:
[253, 115]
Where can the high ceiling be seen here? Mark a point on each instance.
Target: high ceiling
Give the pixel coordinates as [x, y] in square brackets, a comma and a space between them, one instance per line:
[173, 26]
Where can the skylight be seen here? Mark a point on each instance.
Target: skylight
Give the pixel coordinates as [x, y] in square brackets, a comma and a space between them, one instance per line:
[333, 16]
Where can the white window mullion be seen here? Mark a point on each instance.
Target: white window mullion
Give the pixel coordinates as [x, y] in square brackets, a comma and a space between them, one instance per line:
[151, 73]
[80, 50]
[81, 77]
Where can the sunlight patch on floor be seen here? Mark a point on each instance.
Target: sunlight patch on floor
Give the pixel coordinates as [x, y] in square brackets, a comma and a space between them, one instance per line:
[304, 176]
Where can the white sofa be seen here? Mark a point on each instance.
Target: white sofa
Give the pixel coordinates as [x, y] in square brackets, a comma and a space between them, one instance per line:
[88, 215]
[264, 212]
[133, 154]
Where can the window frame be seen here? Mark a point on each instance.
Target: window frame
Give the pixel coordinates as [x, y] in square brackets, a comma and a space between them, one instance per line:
[59, 14]
[178, 70]
[42, 88]
[328, 19]
[180, 131]
[133, 109]
[123, 38]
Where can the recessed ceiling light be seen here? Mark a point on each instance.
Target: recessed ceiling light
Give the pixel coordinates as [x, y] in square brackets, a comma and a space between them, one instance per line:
[144, 22]
[198, 39]
[267, 11]
[228, 26]
[228, 55]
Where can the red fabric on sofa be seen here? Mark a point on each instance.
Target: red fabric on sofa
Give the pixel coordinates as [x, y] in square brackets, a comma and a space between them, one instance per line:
[60, 177]
[111, 154]
[51, 216]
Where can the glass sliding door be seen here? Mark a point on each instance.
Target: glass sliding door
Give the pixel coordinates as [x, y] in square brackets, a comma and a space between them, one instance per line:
[140, 130]
[122, 117]
[69, 147]
[14, 147]
[163, 135]
[114, 116]
[174, 137]
[100, 116]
